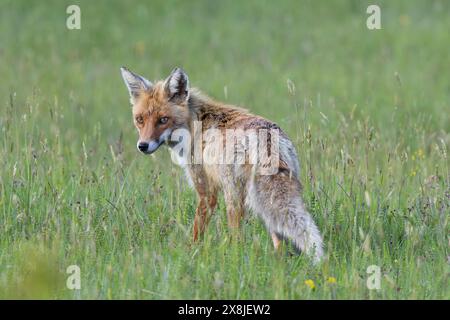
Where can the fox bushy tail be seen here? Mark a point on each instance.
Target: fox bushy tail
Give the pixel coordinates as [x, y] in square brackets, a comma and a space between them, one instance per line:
[276, 199]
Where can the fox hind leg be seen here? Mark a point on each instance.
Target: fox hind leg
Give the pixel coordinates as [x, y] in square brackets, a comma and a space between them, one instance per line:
[234, 196]
[276, 239]
[235, 210]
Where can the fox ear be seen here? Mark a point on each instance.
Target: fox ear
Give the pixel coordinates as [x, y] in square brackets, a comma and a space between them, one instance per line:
[135, 83]
[177, 86]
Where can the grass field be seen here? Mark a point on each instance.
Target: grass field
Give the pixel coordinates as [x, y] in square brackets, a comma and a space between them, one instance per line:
[367, 110]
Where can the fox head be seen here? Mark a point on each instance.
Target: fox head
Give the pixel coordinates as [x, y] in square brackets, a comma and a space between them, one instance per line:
[158, 109]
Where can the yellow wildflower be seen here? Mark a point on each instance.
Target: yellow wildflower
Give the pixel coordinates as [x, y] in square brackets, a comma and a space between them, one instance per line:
[331, 280]
[420, 154]
[310, 284]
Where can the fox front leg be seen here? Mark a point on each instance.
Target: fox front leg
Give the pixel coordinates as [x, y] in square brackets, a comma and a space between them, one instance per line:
[203, 213]
[200, 219]
[205, 202]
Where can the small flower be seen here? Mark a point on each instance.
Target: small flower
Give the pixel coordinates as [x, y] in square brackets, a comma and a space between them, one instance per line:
[413, 173]
[331, 280]
[310, 284]
[420, 154]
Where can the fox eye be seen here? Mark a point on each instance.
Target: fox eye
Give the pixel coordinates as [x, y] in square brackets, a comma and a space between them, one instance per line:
[163, 120]
[139, 119]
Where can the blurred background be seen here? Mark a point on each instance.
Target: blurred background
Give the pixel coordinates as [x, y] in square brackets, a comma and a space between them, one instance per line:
[367, 109]
[247, 50]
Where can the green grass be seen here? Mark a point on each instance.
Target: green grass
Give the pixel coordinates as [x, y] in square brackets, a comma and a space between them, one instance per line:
[369, 117]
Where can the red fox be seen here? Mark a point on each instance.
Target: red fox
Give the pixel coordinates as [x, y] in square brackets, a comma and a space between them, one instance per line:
[165, 107]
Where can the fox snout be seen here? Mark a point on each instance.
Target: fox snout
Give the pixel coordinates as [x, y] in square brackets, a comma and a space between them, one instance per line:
[148, 147]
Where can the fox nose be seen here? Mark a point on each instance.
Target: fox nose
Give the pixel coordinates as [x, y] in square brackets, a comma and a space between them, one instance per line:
[143, 146]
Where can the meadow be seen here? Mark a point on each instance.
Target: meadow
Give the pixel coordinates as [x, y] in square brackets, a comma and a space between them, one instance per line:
[368, 111]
